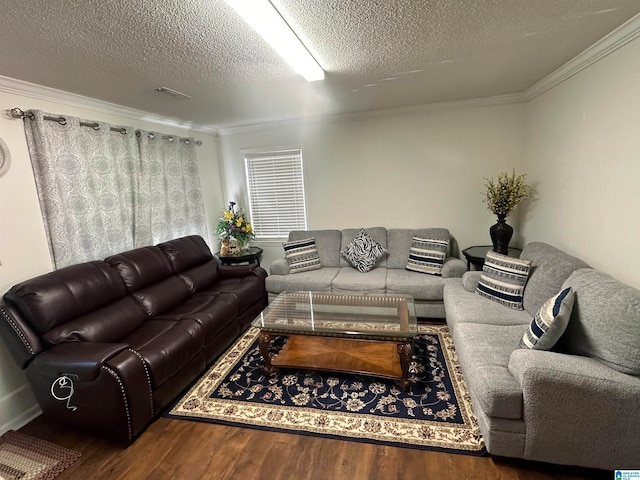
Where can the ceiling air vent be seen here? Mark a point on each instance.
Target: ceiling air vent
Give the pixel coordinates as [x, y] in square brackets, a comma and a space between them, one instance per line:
[173, 93]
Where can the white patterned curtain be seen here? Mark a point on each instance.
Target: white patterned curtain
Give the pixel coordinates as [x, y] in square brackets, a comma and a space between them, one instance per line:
[101, 191]
[169, 189]
[86, 179]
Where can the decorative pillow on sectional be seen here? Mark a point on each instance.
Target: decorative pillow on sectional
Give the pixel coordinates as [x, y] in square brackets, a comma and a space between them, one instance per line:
[427, 255]
[302, 255]
[550, 322]
[503, 279]
[363, 251]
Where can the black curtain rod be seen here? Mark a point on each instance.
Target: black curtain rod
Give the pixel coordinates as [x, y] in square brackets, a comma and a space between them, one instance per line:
[19, 113]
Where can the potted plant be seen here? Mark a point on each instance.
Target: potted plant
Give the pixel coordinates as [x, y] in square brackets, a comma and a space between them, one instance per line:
[502, 198]
[234, 231]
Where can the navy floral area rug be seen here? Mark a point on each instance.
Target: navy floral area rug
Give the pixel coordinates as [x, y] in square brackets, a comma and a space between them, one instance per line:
[434, 414]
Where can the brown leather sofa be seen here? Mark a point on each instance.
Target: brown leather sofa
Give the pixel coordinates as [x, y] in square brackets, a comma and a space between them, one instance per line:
[107, 345]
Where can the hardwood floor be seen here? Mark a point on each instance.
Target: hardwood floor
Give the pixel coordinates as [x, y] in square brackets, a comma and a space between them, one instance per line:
[179, 449]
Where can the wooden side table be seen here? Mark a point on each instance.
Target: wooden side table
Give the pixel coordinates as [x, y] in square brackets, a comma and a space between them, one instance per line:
[475, 255]
[252, 256]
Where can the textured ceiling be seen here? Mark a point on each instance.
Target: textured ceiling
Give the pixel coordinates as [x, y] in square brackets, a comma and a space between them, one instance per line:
[376, 53]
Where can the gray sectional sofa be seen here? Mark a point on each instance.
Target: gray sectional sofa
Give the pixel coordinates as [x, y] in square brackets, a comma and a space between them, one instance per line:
[577, 404]
[388, 276]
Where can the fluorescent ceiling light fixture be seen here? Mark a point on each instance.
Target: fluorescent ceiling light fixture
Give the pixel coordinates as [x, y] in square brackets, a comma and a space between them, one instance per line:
[267, 21]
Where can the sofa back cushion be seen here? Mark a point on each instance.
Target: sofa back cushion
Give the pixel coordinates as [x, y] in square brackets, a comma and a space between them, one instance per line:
[149, 279]
[141, 267]
[192, 261]
[327, 243]
[605, 321]
[399, 242]
[378, 234]
[186, 252]
[106, 324]
[57, 297]
[163, 296]
[550, 267]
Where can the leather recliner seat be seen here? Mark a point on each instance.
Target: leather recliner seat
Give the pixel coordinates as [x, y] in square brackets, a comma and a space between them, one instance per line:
[107, 345]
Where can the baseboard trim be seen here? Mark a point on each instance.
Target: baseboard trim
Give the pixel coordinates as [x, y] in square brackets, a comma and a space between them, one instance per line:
[20, 407]
[22, 420]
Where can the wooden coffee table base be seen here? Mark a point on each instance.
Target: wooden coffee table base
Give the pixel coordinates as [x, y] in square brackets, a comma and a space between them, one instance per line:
[380, 358]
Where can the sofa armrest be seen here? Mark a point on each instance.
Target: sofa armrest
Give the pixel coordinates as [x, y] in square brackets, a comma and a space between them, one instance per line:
[470, 280]
[279, 267]
[453, 267]
[102, 387]
[83, 359]
[239, 271]
[21, 340]
[571, 400]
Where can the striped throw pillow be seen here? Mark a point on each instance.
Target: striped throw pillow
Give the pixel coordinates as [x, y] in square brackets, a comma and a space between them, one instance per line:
[503, 279]
[302, 255]
[550, 322]
[363, 251]
[427, 255]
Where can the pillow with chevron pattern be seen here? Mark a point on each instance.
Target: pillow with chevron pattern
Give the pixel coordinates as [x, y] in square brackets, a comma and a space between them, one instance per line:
[549, 323]
[302, 255]
[503, 279]
[427, 255]
[363, 251]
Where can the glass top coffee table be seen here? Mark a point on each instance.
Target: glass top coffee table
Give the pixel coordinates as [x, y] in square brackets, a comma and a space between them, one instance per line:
[362, 334]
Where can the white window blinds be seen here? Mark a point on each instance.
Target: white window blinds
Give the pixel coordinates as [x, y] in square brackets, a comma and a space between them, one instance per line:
[276, 192]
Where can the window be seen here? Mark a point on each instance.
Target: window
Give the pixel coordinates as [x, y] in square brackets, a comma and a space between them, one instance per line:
[276, 192]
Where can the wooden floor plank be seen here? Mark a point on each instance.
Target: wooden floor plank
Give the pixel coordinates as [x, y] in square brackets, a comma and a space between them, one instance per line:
[179, 449]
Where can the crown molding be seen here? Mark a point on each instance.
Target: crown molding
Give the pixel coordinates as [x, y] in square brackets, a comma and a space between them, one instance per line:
[622, 35]
[381, 112]
[40, 92]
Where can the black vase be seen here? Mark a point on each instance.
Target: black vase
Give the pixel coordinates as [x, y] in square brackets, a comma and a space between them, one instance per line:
[501, 234]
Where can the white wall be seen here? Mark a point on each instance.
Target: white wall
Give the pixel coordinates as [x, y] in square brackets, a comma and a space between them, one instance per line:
[582, 148]
[420, 167]
[23, 246]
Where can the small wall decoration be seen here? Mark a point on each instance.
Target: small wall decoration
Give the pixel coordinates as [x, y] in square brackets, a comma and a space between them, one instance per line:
[5, 158]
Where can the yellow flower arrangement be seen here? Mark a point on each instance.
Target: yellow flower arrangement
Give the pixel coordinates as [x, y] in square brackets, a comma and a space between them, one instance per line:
[502, 197]
[233, 225]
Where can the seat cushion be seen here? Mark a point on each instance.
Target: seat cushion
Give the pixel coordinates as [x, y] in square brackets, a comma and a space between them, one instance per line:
[214, 312]
[248, 290]
[419, 286]
[463, 306]
[315, 281]
[166, 346]
[349, 280]
[484, 352]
